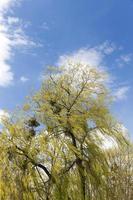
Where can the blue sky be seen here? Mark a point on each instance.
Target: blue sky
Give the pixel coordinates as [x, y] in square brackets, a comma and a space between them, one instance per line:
[38, 33]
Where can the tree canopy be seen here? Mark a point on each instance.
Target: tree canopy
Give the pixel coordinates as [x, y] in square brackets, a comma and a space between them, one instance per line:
[53, 149]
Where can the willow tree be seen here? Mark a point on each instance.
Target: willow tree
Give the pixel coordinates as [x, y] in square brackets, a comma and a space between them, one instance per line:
[120, 178]
[55, 149]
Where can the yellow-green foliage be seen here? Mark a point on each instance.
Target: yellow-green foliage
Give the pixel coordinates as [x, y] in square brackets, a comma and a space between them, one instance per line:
[52, 150]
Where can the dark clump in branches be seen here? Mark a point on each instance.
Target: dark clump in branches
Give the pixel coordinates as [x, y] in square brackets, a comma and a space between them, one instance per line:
[31, 124]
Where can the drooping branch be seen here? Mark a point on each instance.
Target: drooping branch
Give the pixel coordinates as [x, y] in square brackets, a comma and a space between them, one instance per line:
[35, 163]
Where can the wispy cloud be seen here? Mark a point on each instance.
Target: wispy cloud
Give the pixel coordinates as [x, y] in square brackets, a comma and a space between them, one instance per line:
[107, 48]
[12, 36]
[13, 20]
[45, 26]
[121, 93]
[124, 59]
[24, 79]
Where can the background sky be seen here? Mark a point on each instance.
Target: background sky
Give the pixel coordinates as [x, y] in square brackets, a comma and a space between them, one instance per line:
[38, 33]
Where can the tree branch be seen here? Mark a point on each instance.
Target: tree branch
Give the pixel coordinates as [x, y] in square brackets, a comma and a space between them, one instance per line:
[34, 163]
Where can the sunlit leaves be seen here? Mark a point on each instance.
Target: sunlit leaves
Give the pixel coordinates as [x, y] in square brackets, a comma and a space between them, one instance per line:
[52, 149]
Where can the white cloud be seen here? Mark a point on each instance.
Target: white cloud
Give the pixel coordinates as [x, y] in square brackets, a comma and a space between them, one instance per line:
[84, 56]
[6, 76]
[24, 79]
[88, 56]
[4, 4]
[12, 35]
[83, 62]
[121, 93]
